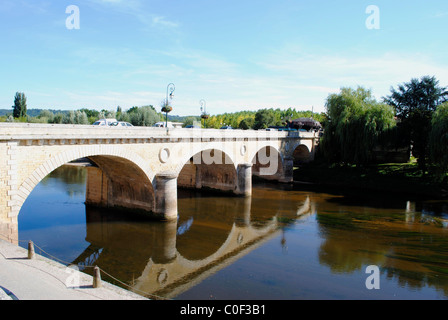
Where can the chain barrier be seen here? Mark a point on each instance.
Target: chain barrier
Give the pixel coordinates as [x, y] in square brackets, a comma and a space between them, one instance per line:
[145, 294]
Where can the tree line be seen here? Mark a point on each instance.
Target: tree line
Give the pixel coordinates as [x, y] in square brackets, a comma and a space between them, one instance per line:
[413, 116]
[138, 116]
[260, 119]
[356, 125]
[148, 116]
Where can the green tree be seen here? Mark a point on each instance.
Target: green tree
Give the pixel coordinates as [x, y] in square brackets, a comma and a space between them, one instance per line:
[107, 114]
[124, 116]
[19, 105]
[438, 138]
[246, 123]
[69, 118]
[74, 117]
[144, 116]
[191, 120]
[133, 109]
[58, 118]
[81, 117]
[91, 114]
[46, 116]
[415, 103]
[355, 124]
[265, 118]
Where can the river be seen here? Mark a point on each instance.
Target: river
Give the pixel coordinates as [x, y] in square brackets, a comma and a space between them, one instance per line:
[284, 243]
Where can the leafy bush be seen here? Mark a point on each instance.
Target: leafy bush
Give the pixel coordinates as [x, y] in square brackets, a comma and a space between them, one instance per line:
[143, 116]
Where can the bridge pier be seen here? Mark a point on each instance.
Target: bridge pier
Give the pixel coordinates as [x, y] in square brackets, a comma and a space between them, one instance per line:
[164, 244]
[166, 196]
[244, 179]
[99, 192]
[96, 187]
[288, 170]
[9, 230]
[9, 174]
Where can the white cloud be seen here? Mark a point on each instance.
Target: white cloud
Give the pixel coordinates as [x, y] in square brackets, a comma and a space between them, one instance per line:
[378, 73]
[161, 21]
[278, 81]
[137, 9]
[441, 14]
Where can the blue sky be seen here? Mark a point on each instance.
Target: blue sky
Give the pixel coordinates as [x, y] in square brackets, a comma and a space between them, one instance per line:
[236, 55]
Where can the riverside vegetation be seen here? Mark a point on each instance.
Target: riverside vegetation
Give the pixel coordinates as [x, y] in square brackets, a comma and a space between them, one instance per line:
[413, 119]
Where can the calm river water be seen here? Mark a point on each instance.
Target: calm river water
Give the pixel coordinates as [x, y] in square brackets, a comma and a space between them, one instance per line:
[283, 243]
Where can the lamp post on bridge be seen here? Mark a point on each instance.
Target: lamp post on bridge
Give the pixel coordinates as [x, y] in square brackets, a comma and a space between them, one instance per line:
[169, 96]
[204, 114]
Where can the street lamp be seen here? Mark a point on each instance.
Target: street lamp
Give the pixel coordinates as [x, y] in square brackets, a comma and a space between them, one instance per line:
[204, 114]
[169, 95]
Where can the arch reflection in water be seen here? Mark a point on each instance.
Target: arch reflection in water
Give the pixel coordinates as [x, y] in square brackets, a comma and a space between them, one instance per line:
[166, 259]
[283, 243]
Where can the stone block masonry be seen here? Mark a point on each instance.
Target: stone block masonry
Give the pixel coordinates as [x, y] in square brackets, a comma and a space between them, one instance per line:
[140, 168]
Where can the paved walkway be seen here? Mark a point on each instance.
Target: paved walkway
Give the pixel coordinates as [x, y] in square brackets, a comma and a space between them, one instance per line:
[45, 279]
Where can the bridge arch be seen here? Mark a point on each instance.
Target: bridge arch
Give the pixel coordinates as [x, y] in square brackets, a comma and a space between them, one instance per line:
[103, 156]
[185, 157]
[209, 168]
[268, 162]
[301, 154]
[302, 151]
[267, 144]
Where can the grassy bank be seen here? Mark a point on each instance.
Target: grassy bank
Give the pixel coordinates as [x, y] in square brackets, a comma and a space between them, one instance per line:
[400, 178]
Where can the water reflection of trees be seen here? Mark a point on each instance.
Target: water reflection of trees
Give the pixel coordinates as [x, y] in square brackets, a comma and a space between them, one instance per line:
[75, 176]
[408, 245]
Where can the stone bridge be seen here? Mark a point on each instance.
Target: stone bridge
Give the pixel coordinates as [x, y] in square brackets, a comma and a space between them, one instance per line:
[140, 168]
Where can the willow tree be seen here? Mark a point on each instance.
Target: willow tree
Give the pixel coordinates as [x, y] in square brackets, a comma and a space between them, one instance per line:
[438, 139]
[355, 124]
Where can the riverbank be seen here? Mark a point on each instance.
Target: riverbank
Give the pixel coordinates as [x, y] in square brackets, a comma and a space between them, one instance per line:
[395, 178]
[45, 279]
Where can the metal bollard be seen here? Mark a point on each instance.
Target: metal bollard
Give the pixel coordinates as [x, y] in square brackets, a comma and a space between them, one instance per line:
[30, 250]
[96, 277]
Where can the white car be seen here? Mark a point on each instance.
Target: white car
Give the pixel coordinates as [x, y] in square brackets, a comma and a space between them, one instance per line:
[105, 122]
[121, 124]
